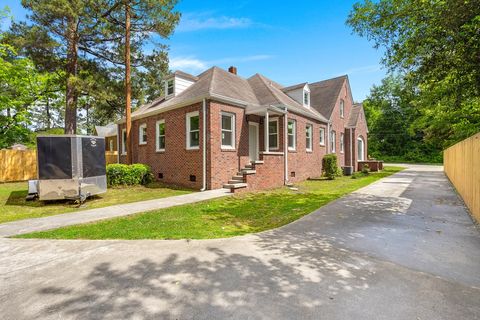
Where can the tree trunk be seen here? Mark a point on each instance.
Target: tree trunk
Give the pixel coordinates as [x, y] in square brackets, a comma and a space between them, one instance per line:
[128, 121]
[71, 70]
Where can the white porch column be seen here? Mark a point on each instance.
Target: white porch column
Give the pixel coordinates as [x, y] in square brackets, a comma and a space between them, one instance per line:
[265, 131]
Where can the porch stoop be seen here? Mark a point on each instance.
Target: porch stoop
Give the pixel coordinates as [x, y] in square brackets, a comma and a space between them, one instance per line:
[238, 181]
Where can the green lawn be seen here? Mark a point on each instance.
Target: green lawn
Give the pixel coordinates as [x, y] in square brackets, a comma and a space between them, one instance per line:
[14, 207]
[224, 217]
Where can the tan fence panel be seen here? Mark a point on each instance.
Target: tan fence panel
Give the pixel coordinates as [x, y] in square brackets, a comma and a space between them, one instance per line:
[18, 165]
[462, 166]
[21, 165]
[111, 157]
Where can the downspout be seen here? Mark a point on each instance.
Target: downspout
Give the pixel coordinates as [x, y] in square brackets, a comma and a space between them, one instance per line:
[204, 148]
[118, 143]
[351, 150]
[328, 137]
[285, 147]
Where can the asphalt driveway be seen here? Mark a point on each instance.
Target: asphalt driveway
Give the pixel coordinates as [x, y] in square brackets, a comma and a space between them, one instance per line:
[403, 248]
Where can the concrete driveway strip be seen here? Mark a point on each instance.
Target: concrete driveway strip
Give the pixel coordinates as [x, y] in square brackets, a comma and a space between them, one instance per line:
[67, 219]
[403, 248]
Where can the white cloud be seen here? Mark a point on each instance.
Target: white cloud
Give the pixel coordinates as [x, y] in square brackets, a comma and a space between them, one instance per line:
[195, 22]
[193, 64]
[364, 69]
[187, 63]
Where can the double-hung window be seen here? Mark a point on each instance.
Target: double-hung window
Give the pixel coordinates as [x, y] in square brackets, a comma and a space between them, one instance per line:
[160, 134]
[322, 136]
[193, 130]
[170, 87]
[342, 109]
[273, 134]
[342, 142]
[333, 143]
[124, 141]
[228, 130]
[142, 134]
[292, 135]
[308, 137]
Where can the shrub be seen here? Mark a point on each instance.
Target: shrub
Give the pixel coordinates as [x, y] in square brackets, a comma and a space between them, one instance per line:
[122, 174]
[357, 175]
[365, 169]
[330, 167]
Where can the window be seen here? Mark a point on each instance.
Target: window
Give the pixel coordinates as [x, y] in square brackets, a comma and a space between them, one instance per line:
[306, 98]
[308, 137]
[342, 108]
[322, 136]
[142, 134]
[292, 134]
[193, 130]
[228, 130]
[273, 134]
[342, 138]
[170, 87]
[333, 137]
[360, 149]
[124, 141]
[110, 144]
[160, 134]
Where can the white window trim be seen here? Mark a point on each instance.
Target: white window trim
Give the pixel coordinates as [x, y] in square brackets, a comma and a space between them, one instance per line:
[333, 141]
[187, 132]
[309, 147]
[140, 135]
[342, 142]
[234, 138]
[361, 142]
[166, 88]
[294, 134]
[157, 138]
[124, 147]
[342, 108]
[321, 132]
[278, 133]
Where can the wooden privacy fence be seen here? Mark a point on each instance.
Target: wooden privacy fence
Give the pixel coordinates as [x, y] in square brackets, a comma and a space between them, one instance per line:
[18, 165]
[462, 166]
[21, 165]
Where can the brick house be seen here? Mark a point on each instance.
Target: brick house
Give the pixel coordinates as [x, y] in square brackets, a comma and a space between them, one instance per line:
[209, 131]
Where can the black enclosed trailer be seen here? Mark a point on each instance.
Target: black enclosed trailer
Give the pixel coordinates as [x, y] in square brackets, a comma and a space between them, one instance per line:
[70, 167]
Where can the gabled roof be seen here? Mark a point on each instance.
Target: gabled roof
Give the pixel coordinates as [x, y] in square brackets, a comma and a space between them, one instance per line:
[182, 74]
[355, 113]
[294, 87]
[218, 83]
[270, 93]
[324, 94]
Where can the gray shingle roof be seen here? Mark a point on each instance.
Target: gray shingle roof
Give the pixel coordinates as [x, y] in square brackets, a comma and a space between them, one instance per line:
[255, 91]
[183, 75]
[354, 115]
[324, 94]
[295, 86]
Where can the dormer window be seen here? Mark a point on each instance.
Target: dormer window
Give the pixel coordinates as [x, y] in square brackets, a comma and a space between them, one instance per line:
[170, 87]
[306, 98]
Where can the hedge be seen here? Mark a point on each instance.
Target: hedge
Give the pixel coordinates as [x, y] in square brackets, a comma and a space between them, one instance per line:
[330, 167]
[123, 174]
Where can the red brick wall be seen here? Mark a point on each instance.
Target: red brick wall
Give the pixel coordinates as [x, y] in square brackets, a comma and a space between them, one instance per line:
[176, 162]
[339, 123]
[269, 174]
[225, 163]
[360, 131]
[306, 164]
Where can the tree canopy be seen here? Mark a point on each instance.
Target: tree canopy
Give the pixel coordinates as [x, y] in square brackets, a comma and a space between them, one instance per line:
[435, 47]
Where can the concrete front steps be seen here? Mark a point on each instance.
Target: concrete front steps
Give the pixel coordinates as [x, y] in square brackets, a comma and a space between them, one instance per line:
[238, 181]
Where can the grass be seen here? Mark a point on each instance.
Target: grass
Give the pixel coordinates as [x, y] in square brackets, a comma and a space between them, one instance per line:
[224, 217]
[15, 207]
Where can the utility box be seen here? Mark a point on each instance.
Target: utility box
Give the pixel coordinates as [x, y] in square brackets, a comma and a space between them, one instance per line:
[70, 167]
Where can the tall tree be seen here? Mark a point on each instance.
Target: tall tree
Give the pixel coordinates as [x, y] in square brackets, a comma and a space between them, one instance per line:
[436, 46]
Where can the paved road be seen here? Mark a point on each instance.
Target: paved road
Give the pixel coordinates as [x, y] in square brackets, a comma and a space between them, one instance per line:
[403, 248]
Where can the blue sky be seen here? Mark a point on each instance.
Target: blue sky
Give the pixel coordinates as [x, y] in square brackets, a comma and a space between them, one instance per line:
[289, 42]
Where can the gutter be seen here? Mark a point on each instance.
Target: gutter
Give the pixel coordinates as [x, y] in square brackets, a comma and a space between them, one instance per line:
[204, 148]
[285, 147]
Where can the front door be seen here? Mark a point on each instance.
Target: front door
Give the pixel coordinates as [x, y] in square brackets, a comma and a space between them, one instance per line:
[253, 141]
